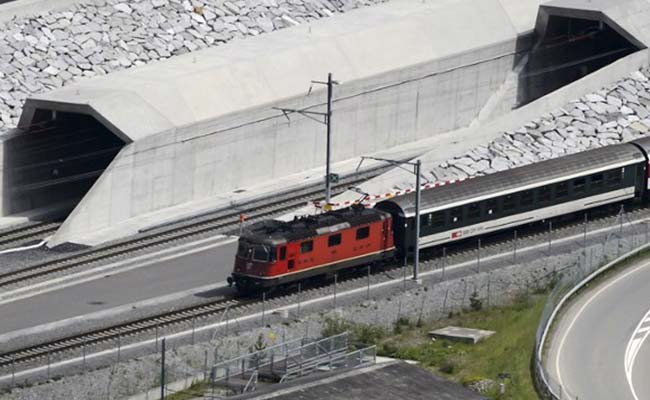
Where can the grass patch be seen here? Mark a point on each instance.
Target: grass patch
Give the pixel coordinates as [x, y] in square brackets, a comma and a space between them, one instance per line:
[503, 358]
[196, 390]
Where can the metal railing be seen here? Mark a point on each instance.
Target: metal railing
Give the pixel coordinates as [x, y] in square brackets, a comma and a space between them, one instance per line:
[275, 361]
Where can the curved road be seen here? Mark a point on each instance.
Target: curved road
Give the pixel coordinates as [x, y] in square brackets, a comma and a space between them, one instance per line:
[598, 348]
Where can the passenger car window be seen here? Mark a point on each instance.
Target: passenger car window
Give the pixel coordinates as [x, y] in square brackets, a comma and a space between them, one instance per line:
[579, 185]
[306, 247]
[474, 211]
[363, 233]
[562, 190]
[334, 240]
[456, 215]
[508, 202]
[526, 198]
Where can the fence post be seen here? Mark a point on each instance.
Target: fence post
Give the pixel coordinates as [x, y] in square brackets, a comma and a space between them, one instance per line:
[299, 298]
[368, 290]
[488, 289]
[478, 257]
[162, 371]
[514, 249]
[336, 278]
[444, 262]
[550, 235]
[585, 235]
[205, 366]
[263, 308]
[193, 327]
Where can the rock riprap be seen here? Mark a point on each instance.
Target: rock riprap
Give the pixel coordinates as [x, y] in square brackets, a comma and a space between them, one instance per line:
[96, 37]
[618, 113]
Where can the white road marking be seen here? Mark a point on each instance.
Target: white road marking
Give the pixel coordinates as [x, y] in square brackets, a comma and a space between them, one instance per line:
[581, 310]
[632, 350]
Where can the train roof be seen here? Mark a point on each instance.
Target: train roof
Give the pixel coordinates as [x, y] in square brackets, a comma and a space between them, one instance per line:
[275, 232]
[521, 178]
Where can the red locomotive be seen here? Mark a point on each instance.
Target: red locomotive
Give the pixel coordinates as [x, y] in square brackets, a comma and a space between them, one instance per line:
[273, 253]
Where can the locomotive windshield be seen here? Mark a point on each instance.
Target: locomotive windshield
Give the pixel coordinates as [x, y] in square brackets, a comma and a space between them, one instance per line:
[257, 252]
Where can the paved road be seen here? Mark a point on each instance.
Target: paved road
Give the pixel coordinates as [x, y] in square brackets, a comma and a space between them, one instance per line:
[591, 352]
[184, 273]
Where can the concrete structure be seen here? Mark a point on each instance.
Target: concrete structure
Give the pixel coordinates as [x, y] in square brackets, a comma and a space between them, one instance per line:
[458, 334]
[168, 139]
[384, 381]
[185, 141]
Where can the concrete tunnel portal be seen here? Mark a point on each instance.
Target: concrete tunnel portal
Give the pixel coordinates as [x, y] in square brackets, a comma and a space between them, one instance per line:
[51, 165]
[571, 45]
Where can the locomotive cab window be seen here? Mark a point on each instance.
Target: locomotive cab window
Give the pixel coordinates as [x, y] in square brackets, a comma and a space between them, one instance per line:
[261, 253]
[243, 250]
[306, 247]
[283, 253]
[334, 240]
[363, 233]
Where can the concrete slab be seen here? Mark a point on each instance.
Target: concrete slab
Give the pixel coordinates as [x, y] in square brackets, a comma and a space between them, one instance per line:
[458, 334]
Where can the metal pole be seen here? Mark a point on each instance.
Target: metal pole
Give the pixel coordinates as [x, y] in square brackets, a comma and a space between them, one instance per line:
[550, 232]
[162, 371]
[416, 258]
[368, 290]
[263, 307]
[514, 251]
[444, 262]
[336, 276]
[299, 297]
[328, 187]
[585, 235]
[478, 257]
[193, 327]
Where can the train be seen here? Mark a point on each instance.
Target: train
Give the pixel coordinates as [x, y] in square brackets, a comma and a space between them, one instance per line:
[275, 253]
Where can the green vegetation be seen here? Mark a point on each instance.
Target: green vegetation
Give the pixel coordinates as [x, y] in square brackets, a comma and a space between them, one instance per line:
[192, 392]
[504, 358]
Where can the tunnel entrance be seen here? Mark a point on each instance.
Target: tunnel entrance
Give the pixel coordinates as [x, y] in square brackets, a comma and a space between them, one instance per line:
[570, 49]
[53, 165]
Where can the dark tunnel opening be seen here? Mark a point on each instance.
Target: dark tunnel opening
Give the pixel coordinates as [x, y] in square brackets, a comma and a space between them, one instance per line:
[52, 165]
[570, 49]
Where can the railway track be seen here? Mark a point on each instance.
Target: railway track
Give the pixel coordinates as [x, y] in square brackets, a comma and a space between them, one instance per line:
[117, 332]
[224, 222]
[24, 235]
[458, 253]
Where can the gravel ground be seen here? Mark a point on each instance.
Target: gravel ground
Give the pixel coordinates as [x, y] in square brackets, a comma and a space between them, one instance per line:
[95, 37]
